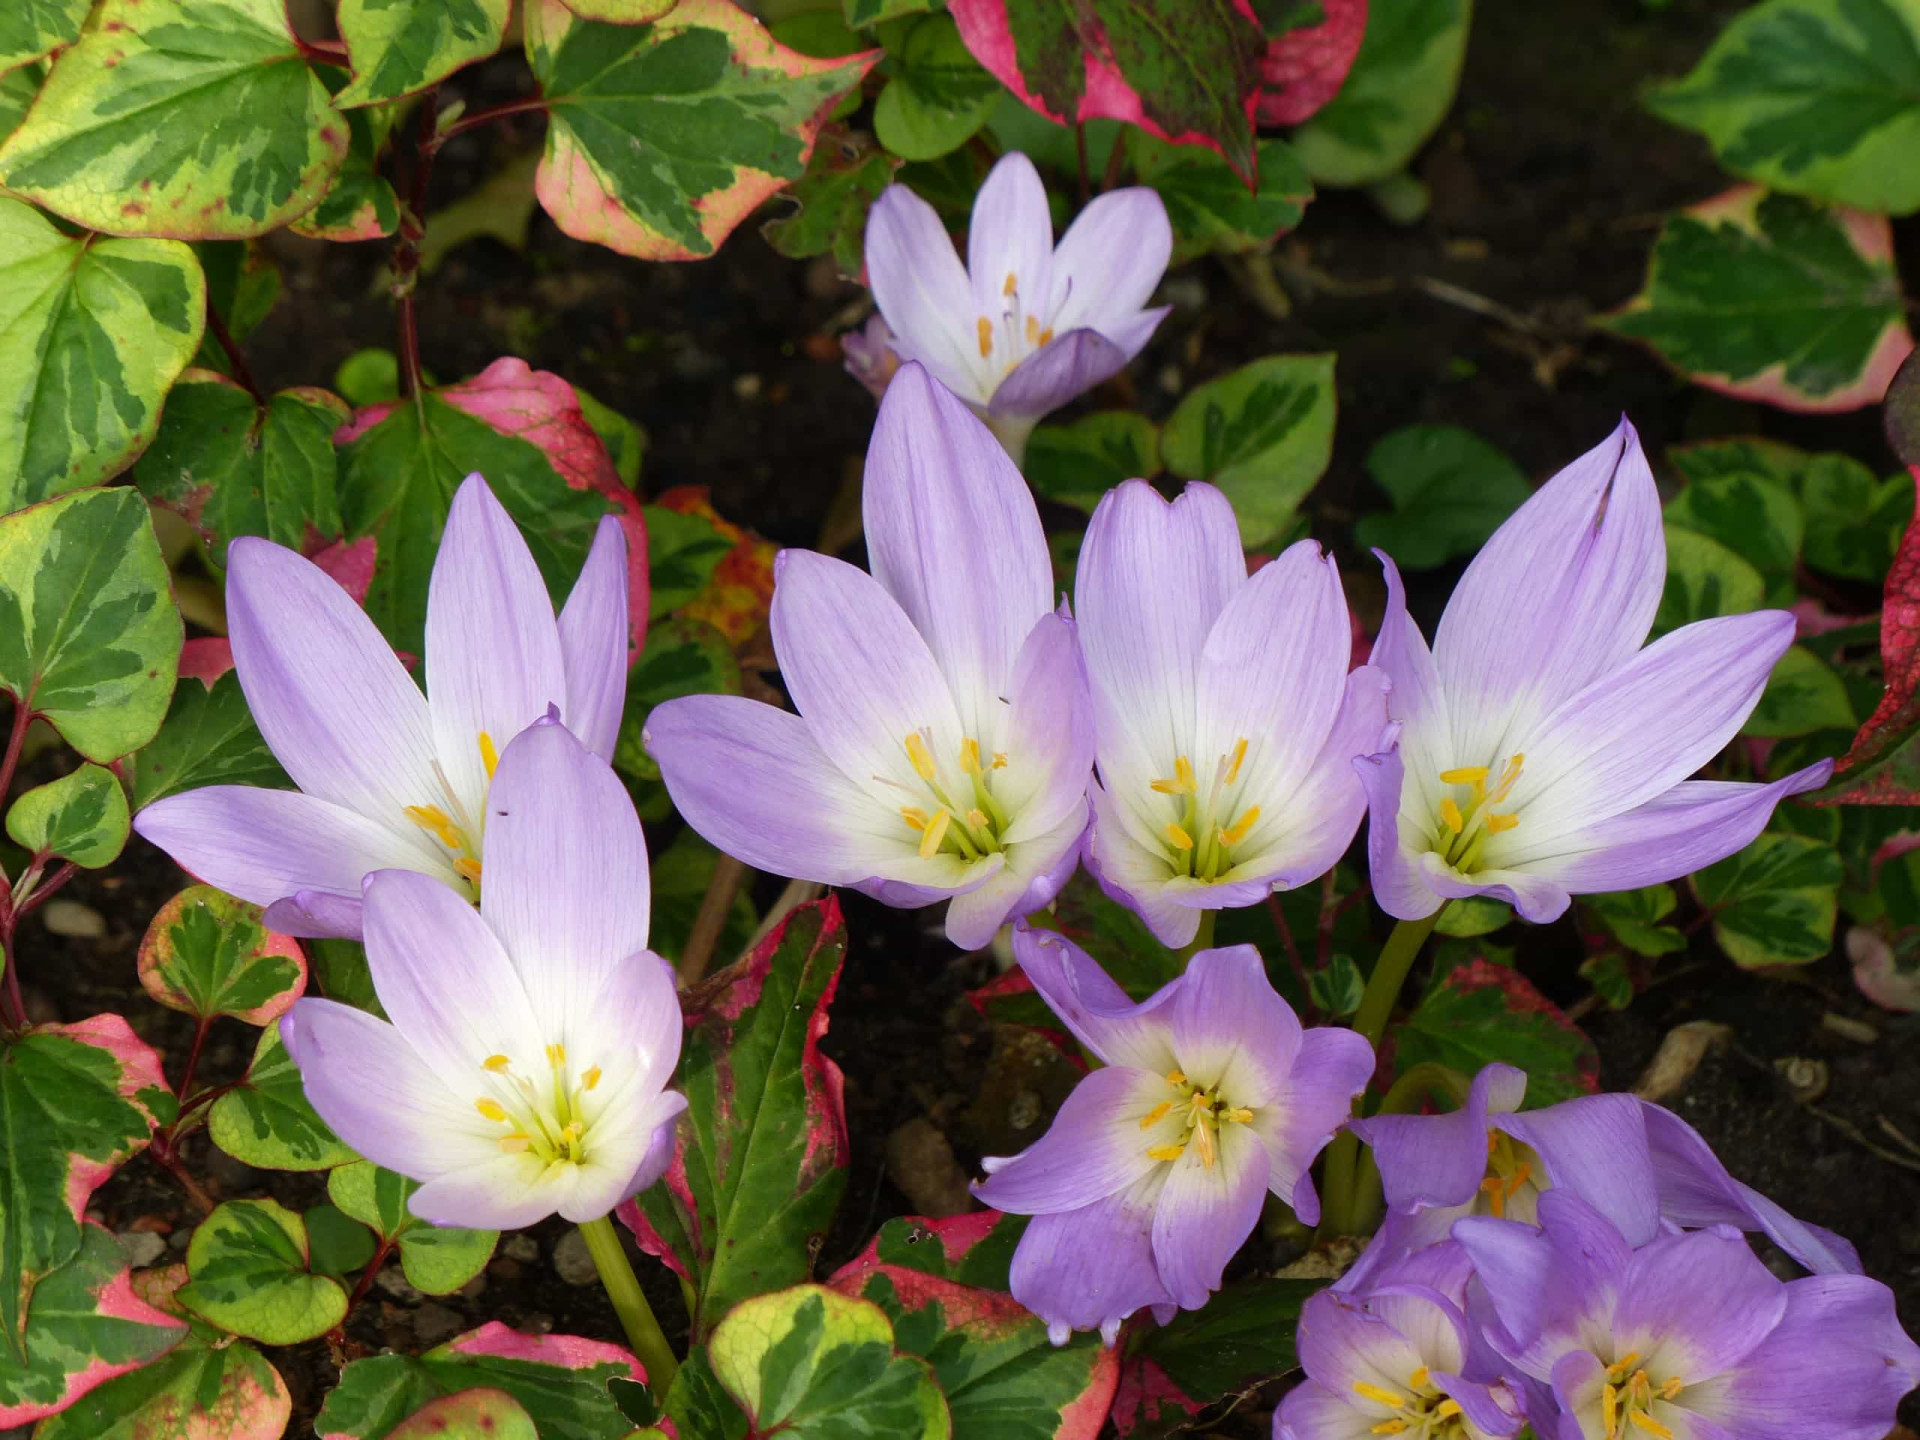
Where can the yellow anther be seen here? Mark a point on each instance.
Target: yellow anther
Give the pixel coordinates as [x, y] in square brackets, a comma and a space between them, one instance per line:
[1203, 1134]
[1391, 1427]
[1379, 1394]
[490, 1108]
[1239, 754]
[1446, 1410]
[1640, 1420]
[1178, 838]
[1239, 1115]
[1672, 1388]
[935, 832]
[1154, 1116]
[999, 759]
[1045, 336]
[1621, 1368]
[1464, 775]
[1033, 331]
[986, 337]
[489, 756]
[591, 1079]
[556, 1054]
[468, 869]
[1183, 782]
[1610, 1411]
[921, 757]
[970, 756]
[1166, 1152]
[1640, 1388]
[977, 818]
[1176, 1077]
[495, 1063]
[1496, 1189]
[515, 1143]
[1497, 823]
[1242, 827]
[428, 817]
[1013, 284]
[574, 1131]
[914, 816]
[1450, 815]
[1418, 1379]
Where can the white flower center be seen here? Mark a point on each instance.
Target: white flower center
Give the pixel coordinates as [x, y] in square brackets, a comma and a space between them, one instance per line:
[1193, 1118]
[1015, 334]
[550, 1122]
[453, 826]
[1212, 823]
[1467, 817]
[1421, 1413]
[1628, 1397]
[962, 821]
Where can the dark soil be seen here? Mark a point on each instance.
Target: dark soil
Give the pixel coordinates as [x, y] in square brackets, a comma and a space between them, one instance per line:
[1547, 182]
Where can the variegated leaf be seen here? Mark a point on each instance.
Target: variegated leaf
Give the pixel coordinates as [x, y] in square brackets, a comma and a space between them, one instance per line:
[400, 46]
[208, 954]
[30, 29]
[361, 204]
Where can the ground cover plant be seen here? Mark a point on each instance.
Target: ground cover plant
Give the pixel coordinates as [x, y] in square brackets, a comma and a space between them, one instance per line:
[972, 719]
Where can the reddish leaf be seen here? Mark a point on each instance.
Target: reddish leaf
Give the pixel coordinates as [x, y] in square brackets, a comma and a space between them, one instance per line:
[1304, 69]
[736, 600]
[972, 1249]
[1148, 1402]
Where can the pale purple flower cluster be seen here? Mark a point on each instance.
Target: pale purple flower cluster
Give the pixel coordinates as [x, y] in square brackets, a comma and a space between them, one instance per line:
[1581, 1268]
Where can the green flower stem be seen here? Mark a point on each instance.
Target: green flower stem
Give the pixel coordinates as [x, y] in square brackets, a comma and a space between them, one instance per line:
[1338, 1209]
[644, 1335]
[1202, 939]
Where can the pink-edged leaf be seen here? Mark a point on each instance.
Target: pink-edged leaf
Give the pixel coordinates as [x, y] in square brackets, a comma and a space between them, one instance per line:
[523, 429]
[663, 137]
[1303, 69]
[1148, 1403]
[206, 658]
[477, 1414]
[760, 1158]
[209, 954]
[1773, 298]
[973, 1249]
[991, 1354]
[1187, 71]
[1010, 999]
[1476, 1011]
[621, 12]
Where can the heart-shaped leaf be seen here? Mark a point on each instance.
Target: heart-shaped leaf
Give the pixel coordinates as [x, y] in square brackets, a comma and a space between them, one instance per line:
[974, 1249]
[1775, 902]
[1752, 513]
[1211, 209]
[1704, 579]
[1634, 917]
[243, 285]
[1854, 518]
[248, 1263]
[80, 817]
[683, 657]
[1305, 65]
[30, 29]
[435, 1260]
[1804, 694]
[1077, 464]
[1479, 1011]
[208, 738]
[938, 96]
[17, 89]
[843, 179]
[361, 204]
[209, 954]
[265, 1121]
[400, 46]
[1450, 489]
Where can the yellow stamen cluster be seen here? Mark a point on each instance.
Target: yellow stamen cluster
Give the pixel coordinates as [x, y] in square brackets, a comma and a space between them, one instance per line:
[969, 831]
[457, 831]
[1626, 1399]
[1019, 325]
[1202, 841]
[551, 1125]
[1511, 1168]
[1199, 1114]
[1423, 1413]
[1464, 832]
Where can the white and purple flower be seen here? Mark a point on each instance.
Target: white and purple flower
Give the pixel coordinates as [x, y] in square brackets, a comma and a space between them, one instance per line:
[1542, 752]
[390, 778]
[524, 1071]
[1023, 327]
[1156, 1167]
[1226, 722]
[943, 745]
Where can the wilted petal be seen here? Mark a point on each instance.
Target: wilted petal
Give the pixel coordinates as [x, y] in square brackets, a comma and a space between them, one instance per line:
[594, 642]
[1331, 1068]
[1109, 262]
[1231, 1030]
[1206, 1212]
[1097, 1011]
[1430, 1160]
[1066, 366]
[1090, 1268]
[922, 289]
[1094, 1147]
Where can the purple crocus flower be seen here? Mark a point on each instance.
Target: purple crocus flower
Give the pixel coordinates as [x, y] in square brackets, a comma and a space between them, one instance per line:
[390, 778]
[942, 746]
[1225, 720]
[1402, 1360]
[1543, 753]
[1023, 327]
[524, 1070]
[1688, 1337]
[1635, 1163]
[1155, 1169]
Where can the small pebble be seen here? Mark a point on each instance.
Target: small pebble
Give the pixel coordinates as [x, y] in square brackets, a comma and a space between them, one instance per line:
[746, 387]
[434, 1323]
[70, 917]
[143, 1247]
[397, 1285]
[523, 1248]
[574, 1261]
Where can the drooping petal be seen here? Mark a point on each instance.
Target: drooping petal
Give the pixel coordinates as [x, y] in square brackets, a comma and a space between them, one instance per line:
[923, 291]
[1393, 865]
[266, 845]
[1675, 833]
[1205, 1213]
[1094, 1147]
[593, 642]
[565, 882]
[1697, 1303]
[1232, 1033]
[1562, 595]
[1090, 1268]
[1009, 240]
[1109, 262]
[1047, 736]
[1332, 1067]
[1034, 872]
[953, 536]
[378, 1094]
[1596, 1146]
[1133, 875]
[493, 647]
[1313, 1412]
[751, 779]
[1066, 366]
[1092, 1007]
[1430, 1160]
[332, 700]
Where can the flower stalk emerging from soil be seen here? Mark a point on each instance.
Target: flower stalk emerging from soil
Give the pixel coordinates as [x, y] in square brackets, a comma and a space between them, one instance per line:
[644, 1335]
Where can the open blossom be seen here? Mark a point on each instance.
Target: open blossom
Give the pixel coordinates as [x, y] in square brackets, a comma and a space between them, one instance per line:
[1155, 1168]
[1226, 723]
[1687, 1337]
[1639, 1165]
[525, 1067]
[1023, 327]
[1543, 753]
[942, 746]
[390, 778]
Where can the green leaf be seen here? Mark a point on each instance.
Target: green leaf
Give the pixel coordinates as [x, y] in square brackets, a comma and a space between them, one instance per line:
[938, 98]
[96, 330]
[1479, 1011]
[1475, 915]
[1077, 464]
[683, 551]
[1634, 917]
[1243, 1336]
[81, 817]
[74, 1106]
[208, 738]
[1338, 987]
[843, 180]
[1816, 97]
[248, 1261]
[191, 118]
[368, 377]
[1210, 207]
[1770, 298]
[761, 1157]
[232, 467]
[680, 876]
[975, 1249]
[400, 46]
[243, 284]
[1753, 515]
[338, 1244]
[663, 137]
[624, 440]
[89, 638]
[30, 29]
[266, 1120]
[360, 204]
[1450, 490]
[1396, 95]
[864, 14]
[1263, 434]
[208, 954]
[1775, 902]
[1704, 579]
[436, 1260]
[1854, 521]
[340, 971]
[560, 1380]
[481, 1414]
[1803, 695]
[811, 1362]
[683, 657]
[17, 89]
